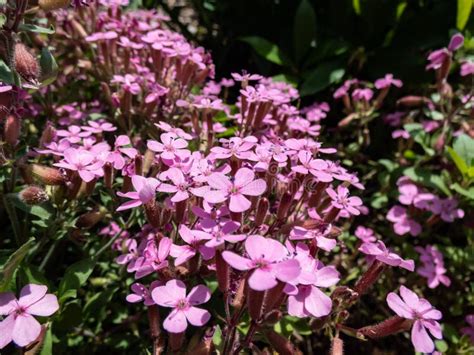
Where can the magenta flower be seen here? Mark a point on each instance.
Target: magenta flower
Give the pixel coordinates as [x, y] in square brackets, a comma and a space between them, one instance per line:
[402, 222]
[423, 314]
[437, 57]
[381, 253]
[343, 201]
[366, 235]
[408, 193]
[269, 261]
[244, 184]
[116, 157]
[141, 293]
[467, 68]
[180, 186]
[194, 244]
[155, 257]
[129, 83]
[145, 190]
[218, 234]
[433, 266]
[19, 324]
[99, 127]
[171, 146]
[83, 162]
[235, 146]
[365, 94]
[318, 234]
[173, 295]
[449, 210]
[387, 81]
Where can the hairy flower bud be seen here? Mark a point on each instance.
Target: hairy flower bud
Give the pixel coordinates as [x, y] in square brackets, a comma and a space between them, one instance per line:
[255, 303]
[337, 346]
[278, 342]
[389, 326]
[47, 175]
[25, 63]
[369, 277]
[48, 135]
[11, 130]
[89, 219]
[49, 5]
[262, 210]
[412, 101]
[33, 195]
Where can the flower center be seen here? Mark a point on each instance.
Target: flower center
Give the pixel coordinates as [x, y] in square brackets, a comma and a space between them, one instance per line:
[182, 304]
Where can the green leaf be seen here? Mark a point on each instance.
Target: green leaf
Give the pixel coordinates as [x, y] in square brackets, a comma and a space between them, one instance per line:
[441, 345]
[217, 339]
[304, 28]
[320, 78]
[460, 163]
[427, 178]
[3, 18]
[469, 193]
[266, 49]
[6, 75]
[464, 11]
[36, 29]
[47, 347]
[75, 276]
[464, 146]
[43, 211]
[8, 269]
[49, 67]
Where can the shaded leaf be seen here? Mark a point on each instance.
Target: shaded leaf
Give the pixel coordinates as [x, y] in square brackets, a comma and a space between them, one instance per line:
[304, 28]
[265, 48]
[427, 178]
[9, 268]
[460, 163]
[75, 276]
[464, 146]
[36, 29]
[49, 67]
[320, 78]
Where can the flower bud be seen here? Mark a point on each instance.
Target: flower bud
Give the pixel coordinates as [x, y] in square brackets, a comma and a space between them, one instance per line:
[49, 5]
[176, 340]
[152, 213]
[262, 210]
[25, 63]
[89, 219]
[47, 175]
[108, 175]
[33, 195]
[369, 277]
[222, 272]
[48, 135]
[278, 342]
[255, 303]
[389, 326]
[11, 130]
[412, 101]
[284, 206]
[239, 296]
[337, 346]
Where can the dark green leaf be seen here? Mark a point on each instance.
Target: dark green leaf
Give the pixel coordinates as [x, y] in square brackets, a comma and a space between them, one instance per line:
[304, 28]
[320, 78]
[6, 75]
[427, 178]
[75, 276]
[8, 269]
[36, 29]
[266, 49]
[49, 67]
[43, 211]
[460, 163]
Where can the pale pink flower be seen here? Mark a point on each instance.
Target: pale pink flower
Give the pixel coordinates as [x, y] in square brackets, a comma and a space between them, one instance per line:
[387, 81]
[194, 244]
[155, 257]
[424, 315]
[19, 325]
[171, 146]
[173, 295]
[74, 134]
[141, 293]
[402, 223]
[268, 259]
[343, 201]
[366, 235]
[83, 162]
[380, 252]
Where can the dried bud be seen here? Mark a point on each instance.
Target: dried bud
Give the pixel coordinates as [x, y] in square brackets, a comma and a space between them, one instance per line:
[337, 346]
[33, 195]
[282, 345]
[47, 175]
[25, 63]
[49, 5]
[11, 130]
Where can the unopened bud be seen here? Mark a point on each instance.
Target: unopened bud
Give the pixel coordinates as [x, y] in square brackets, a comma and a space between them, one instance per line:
[49, 5]
[284, 206]
[262, 210]
[48, 135]
[278, 342]
[412, 101]
[25, 63]
[389, 326]
[148, 161]
[369, 277]
[138, 164]
[176, 340]
[255, 303]
[222, 272]
[47, 175]
[89, 219]
[152, 213]
[11, 130]
[108, 175]
[337, 346]
[33, 195]
[239, 296]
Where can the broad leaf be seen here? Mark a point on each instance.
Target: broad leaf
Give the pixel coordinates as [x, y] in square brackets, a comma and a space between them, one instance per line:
[49, 67]
[463, 13]
[304, 29]
[427, 178]
[6, 75]
[464, 146]
[460, 163]
[320, 78]
[9, 268]
[75, 276]
[266, 49]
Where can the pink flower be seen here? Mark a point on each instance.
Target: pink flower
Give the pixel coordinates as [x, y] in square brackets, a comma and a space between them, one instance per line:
[380, 252]
[433, 266]
[155, 257]
[116, 157]
[242, 185]
[145, 190]
[20, 325]
[400, 133]
[218, 234]
[99, 127]
[170, 129]
[408, 192]
[245, 76]
[83, 162]
[402, 222]
[467, 68]
[269, 261]
[235, 146]
[171, 146]
[425, 318]
[128, 82]
[141, 293]
[173, 295]
[304, 296]
[194, 243]
[449, 210]
[319, 234]
[74, 134]
[343, 201]
[366, 235]
[437, 57]
[387, 81]
[362, 94]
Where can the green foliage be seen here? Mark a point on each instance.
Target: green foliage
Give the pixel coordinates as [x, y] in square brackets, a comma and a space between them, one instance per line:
[75, 276]
[463, 13]
[11, 265]
[266, 49]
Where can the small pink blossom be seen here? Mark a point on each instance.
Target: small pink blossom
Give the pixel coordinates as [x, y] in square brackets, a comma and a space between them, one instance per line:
[83, 162]
[402, 222]
[173, 295]
[141, 293]
[379, 251]
[366, 235]
[343, 201]
[145, 191]
[73, 134]
[387, 81]
[19, 325]
[171, 146]
[424, 315]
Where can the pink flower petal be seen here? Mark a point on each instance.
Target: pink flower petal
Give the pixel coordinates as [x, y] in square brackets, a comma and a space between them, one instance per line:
[45, 306]
[254, 188]
[175, 322]
[198, 295]
[262, 280]
[243, 177]
[31, 293]
[236, 261]
[26, 330]
[398, 306]
[420, 338]
[7, 303]
[318, 303]
[197, 316]
[6, 330]
[239, 203]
